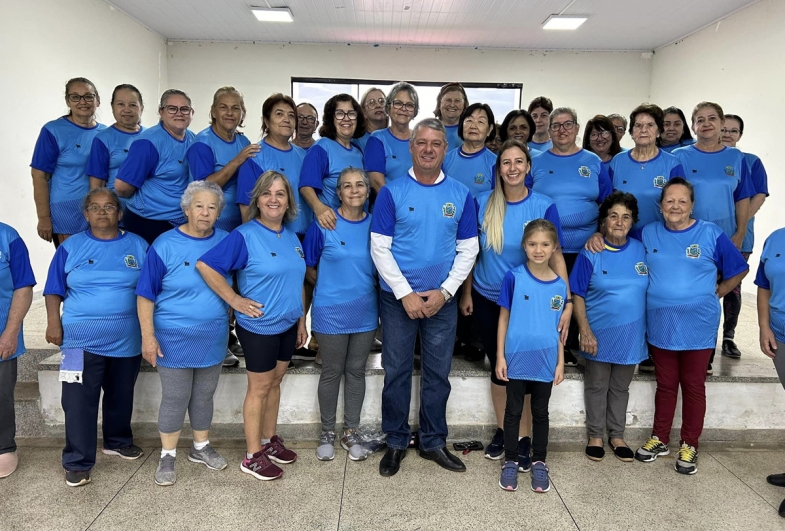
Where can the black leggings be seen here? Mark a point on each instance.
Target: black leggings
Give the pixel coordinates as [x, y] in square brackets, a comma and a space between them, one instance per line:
[540, 396]
[486, 318]
[148, 229]
[572, 335]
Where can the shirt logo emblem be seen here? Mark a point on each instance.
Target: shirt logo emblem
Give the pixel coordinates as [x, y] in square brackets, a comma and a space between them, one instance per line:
[187, 264]
[300, 252]
[411, 209]
[557, 303]
[479, 178]
[584, 171]
[729, 171]
[448, 210]
[694, 251]
[526, 297]
[641, 269]
[273, 254]
[659, 181]
[130, 261]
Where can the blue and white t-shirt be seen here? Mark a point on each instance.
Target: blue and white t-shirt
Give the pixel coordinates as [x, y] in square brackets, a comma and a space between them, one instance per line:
[270, 269]
[613, 283]
[540, 146]
[491, 267]
[97, 281]
[191, 321]
[362, 142]
[15, 273]
[289, 163]
[322, 166]
[683, 311]
[771, 276]
[62, 150]
[477, 171]
[387, 154]
[760, 184]
[677, 145]
[208, 154]
[344, 299]
[577, 183]
[645, 181]
[531, 347]
[453, 140]
[157, 166]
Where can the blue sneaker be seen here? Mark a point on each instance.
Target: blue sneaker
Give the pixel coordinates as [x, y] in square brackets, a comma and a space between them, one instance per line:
[509, 479]
[524, 454]
[495, 450]
[540, 481]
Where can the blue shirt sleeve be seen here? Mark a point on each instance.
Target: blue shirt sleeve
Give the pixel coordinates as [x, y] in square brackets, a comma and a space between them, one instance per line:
[247, 176]
[606, 184]
[383, 220]
[636, 234]
[508, 287]
[151, 277]
[375, 159]
[745, 189]
[316, 166]
[56, 279]
[467, 225]
[677, 171]
[98, 163]
[313, 244]
[581, 275]
[19, 264]
[760, 278]
[230, 254]
[759, 177]
[728, 259]
[528, 180]
[552, 215]
[139, 164]
[46, 152]
[201, 161]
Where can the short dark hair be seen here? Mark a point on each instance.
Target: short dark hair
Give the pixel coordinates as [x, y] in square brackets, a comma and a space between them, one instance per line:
[102, 190]
[272, 101]
[673, 181]
[625, 199]
[127, 86]
[327, 130]
[601, 123]
[449, 87]
[541, 101]
[685, 131]
[738, 119]
[652, 110]
[488, 112]
[512, 115]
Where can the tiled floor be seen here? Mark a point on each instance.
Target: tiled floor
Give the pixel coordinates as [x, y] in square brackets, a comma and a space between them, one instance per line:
[729, 492]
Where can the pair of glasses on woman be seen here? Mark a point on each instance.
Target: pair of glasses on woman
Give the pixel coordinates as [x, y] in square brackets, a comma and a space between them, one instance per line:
[370, 102]
[569, 125]
[596, 135]
[341, 114]
[174, 109]
[95, 209]
[76, 98]
[398, 104]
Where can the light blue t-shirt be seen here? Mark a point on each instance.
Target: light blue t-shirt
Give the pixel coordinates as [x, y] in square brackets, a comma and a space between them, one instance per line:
[760, 184]
[453, 140]
[208, 154]
[531, 346]
[720, 179]
[613, 284]
[491, 267]
[424, 222]
[289, 163]
[577, 183]
[476, 171]
[683, 311]
[157, 166]
[362, 141]
[322, 166]
[677, 145]
[270, 270]
[645, 181]
[345, 299]
[15, 273]
[771, 276]
[191, 321]
[540, 146]
[62, 150]
[388, 155]
[97, 281]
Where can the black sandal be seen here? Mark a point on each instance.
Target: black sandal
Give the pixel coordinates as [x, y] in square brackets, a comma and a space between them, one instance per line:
[623, 453]
[595, 453]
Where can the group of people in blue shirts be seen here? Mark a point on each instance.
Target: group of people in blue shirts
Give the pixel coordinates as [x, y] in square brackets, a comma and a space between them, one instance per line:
[510, 236]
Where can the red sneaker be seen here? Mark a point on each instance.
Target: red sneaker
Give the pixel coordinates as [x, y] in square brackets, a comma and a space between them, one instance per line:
[277, 452]
[260, 467]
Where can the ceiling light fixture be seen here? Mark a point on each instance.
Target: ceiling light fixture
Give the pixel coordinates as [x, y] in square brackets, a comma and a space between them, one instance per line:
[272, 14]
[564, 22]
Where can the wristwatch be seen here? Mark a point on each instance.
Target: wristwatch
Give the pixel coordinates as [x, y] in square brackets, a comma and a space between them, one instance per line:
[447, 295]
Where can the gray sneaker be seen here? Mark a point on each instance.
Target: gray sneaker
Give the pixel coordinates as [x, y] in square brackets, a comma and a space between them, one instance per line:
[326, 449]
[165, 475]
[351, 443]
[230, 360]
[208, 457]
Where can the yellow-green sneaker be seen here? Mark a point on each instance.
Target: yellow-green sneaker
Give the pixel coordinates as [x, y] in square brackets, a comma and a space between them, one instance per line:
[650, 451]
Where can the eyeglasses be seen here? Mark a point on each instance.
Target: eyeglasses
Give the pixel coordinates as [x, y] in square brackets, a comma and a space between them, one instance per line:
[599, 134]
[341, 114]
[398, 104]
[306, 119]
[95, 209]
[568, 126]
[619, 129]
[731, 131]
[174, 109]
[379, 102]
[75, 98]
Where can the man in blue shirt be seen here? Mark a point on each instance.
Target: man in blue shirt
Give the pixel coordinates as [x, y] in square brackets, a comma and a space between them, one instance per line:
[423, 243]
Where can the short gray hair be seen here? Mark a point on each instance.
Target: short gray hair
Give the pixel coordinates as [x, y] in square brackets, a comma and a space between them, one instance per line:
[398, 87]
[430, 123]
[347, 171]
[563, 110]
[615, 116]
[202, 186]
[103, 190]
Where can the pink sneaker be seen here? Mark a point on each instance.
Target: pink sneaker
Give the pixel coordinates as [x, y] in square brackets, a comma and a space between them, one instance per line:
[8, 462]
[277, 452]
[260, 467]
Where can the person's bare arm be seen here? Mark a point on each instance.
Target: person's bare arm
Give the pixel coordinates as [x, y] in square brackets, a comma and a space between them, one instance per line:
[41, 199]
[21, 300]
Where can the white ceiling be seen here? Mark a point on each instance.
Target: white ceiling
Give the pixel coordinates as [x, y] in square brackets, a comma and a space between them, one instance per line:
[612, 25]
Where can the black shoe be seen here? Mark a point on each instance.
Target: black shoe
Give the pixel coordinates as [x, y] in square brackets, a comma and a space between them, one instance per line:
[472, 353]
[391, 462]
[782, 509]
[730, 350]
[646, 365]
[622, 453]
[595, 453]
[77, 478]
[131, 452]
[444, 459]
[778, 480]
[569, 358]
[304, 354]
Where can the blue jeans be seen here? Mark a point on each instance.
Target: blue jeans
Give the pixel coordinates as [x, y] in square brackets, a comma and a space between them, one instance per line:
[437, 337]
